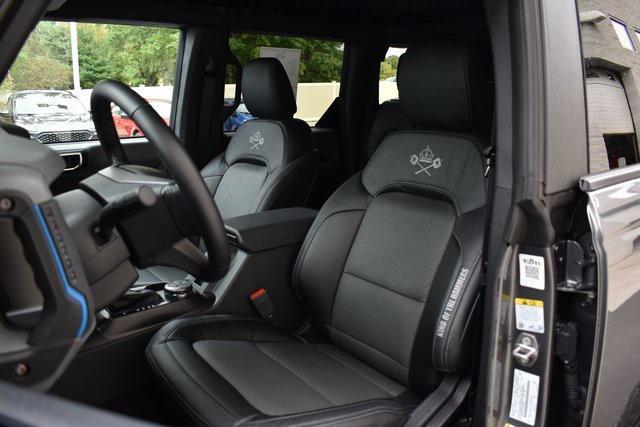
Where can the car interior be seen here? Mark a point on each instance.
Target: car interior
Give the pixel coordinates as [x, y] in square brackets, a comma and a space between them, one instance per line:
[280, 274]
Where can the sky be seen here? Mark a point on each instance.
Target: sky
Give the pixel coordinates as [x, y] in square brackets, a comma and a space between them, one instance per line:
[395, 51]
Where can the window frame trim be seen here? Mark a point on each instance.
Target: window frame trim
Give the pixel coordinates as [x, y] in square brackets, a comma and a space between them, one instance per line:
[619, 21]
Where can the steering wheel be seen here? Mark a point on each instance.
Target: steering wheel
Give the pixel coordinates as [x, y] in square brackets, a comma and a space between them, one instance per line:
[173, 156]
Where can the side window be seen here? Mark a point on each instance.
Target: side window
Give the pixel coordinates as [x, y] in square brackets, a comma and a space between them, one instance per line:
[388, 88]
[48, 88]
[612, 81]
[314, 68]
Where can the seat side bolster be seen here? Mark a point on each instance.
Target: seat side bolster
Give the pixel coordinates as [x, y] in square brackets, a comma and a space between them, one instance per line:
[456, 308]
[289, 186]
[212, 173]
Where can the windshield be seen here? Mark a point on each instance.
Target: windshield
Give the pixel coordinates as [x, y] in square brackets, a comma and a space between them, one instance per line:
[44, 103]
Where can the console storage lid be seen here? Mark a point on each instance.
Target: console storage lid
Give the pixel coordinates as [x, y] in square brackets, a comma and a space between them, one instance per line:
[269, 229]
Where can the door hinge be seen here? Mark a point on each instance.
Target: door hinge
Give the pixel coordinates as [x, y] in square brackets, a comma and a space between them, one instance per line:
[575, 261]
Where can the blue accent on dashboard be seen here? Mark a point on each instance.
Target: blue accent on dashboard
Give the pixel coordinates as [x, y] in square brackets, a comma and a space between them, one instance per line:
[74, 294]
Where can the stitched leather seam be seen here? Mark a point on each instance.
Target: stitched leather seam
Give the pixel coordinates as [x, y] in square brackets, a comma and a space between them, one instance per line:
[382, 286]
[174, 392]
[333, 419]
[351, 417]
[243, 156]
[341, 363]
[194, 381]
[344, 264]
[391, 359]
[423, 186]
[295, 375]
[212, 175]
[206, 319]
[301, 258]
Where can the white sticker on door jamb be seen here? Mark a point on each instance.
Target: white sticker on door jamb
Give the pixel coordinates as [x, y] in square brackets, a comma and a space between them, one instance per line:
[524, 397]
[531, 271]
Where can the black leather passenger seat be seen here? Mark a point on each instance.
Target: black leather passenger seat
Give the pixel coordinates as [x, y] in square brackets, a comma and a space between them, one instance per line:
[389, 273]
[270, 162]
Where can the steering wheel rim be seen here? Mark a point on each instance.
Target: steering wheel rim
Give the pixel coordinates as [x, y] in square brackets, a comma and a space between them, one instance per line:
[173, 156]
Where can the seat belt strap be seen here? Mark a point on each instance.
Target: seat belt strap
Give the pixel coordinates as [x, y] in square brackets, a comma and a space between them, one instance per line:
[206, 107]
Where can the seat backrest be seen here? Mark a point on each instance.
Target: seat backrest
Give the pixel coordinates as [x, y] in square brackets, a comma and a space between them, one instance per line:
[270, 162]
[390, 268]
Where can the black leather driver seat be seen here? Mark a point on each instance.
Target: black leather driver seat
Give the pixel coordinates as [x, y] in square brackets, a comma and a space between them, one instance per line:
[388, 273]
[269, 163]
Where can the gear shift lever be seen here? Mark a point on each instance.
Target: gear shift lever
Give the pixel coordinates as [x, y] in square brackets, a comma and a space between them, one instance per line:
[179, 288]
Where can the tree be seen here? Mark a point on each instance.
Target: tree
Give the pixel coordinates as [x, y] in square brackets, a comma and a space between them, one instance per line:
[45, 60]
[142, 56]
[92, 54]
[320, 60]
[389, 67]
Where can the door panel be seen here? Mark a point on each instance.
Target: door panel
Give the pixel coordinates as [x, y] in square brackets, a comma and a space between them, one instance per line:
[86, 158]
[614, 216]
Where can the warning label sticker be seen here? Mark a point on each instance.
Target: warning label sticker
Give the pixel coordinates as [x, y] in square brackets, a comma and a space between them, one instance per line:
[524, 397]
[530, 315]
[531, 271]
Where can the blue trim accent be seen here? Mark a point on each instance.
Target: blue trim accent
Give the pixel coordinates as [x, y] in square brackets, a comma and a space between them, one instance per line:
[74, 294]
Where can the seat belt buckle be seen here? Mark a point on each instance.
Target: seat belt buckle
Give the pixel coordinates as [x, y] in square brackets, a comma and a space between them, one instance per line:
[489, 156]
[262, 303]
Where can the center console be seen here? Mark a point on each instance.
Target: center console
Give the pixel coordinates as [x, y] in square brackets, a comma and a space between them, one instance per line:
[264, 249]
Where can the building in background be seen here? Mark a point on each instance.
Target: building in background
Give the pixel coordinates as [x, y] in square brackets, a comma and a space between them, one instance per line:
[610, 31]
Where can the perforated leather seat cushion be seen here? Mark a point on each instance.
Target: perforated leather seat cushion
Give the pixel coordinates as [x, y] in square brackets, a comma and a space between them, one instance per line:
[238, 370]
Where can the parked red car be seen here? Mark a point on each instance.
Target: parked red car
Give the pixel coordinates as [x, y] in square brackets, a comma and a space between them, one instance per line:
[127, 127]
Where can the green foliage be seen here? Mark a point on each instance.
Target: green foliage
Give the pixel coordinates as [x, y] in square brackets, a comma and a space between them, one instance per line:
[142, 56]
[45, 59]
[138, 56]
[389, 67]
[320, 60]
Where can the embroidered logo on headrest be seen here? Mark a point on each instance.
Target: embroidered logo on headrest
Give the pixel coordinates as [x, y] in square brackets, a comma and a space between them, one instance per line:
[256, 140]
[424, 161]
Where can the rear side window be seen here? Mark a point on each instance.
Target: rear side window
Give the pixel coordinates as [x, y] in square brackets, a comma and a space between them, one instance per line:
[48, 88]
[612, 82]
[388, 86]
[314, 68]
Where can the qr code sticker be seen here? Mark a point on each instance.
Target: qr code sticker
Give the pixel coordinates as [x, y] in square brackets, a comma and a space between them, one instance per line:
[532, 271]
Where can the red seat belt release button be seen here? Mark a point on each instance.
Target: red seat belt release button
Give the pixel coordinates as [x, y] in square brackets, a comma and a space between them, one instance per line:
[261, 301]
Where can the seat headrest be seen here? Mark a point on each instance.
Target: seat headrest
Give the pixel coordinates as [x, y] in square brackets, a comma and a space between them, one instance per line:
[445, 84]
[266, 89]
